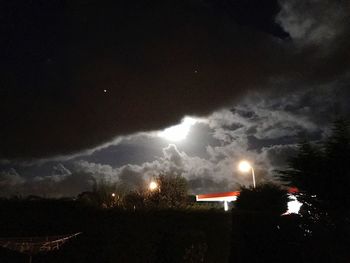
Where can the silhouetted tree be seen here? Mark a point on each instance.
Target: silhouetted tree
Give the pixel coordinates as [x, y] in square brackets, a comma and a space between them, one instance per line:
[256, 224]
[101, 195]
[134, 200]
[264, 198]
[337, 160]
[304, 168]
[321, 172]
[171, 192]
[89, 199]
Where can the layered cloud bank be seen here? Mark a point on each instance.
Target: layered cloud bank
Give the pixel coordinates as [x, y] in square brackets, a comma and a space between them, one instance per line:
[264, 129]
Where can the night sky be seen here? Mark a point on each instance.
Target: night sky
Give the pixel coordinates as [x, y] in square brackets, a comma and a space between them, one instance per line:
[87, 87]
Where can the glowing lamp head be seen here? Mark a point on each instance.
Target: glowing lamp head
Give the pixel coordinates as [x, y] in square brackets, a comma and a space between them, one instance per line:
[244, 166]
[153, 186]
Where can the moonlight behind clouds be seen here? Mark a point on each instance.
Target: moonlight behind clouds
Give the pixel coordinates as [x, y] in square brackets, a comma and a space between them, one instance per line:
[125, 90]
[178, 132]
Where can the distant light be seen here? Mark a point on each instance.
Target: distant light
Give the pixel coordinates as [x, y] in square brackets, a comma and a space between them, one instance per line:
[113, 194]
[244, 166]
[178, 132]
[293, 205]
[153, 186]
[104, 90]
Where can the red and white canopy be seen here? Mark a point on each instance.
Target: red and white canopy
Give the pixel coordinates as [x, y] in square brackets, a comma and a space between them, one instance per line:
[226, 196]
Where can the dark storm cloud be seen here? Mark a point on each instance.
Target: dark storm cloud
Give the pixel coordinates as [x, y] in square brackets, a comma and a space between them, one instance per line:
[61, 182]
[131, 179]
[209, 184]
[277, 155]
[69, 185]
[77, 74]
[10, 178]
[138, 148]
[315, 22]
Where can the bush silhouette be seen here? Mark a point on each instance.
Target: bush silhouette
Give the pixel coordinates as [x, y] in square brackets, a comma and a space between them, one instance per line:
[268, 198]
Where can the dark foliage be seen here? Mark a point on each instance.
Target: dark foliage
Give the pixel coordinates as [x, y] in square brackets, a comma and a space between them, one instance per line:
[304, 167]
[114, 235]
[336, 168]
[171, 192]
[134, 200]
[321, 172]
[267, 198]
[263, 237]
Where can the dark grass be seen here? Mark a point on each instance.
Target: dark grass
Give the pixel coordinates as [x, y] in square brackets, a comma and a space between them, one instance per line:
[263, 237]
[118, 235]
[192, 235]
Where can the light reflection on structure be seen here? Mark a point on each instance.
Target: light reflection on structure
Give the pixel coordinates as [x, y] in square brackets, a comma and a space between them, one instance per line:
[227, 197]
[219, 197]
[293, 205]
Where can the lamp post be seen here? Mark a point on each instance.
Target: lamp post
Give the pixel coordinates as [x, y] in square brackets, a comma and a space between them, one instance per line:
[245, 167]
[113, 203]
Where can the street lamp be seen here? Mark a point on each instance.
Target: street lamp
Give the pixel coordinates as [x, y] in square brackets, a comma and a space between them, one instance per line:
[153, 186]
[113, 201]
[245, 167]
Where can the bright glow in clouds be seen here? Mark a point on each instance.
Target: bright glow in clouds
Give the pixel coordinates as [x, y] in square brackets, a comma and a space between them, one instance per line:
[178, 132]
[293, 205]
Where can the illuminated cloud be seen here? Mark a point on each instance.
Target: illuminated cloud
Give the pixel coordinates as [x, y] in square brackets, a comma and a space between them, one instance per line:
[178, 132]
